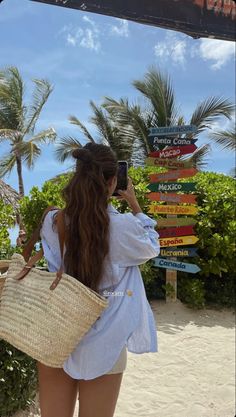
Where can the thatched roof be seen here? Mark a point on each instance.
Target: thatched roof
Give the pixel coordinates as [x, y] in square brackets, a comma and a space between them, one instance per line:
[9, 196]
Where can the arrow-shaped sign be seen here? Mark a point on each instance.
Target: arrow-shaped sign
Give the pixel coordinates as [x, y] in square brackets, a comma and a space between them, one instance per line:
[179, 252]
[173, 152]
[178, 241]
[168, 187]
[168, 163]
[173, 175]
[179, 266]
[177, 221]
[174, 198]
[176, 231]
[172, 130]
[161, 209]
[158, 142]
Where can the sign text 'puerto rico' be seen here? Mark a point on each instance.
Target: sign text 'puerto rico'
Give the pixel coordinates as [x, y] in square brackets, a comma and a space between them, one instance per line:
[167, 209]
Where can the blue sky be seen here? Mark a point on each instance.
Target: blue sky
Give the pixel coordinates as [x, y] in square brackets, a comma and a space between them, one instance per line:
[88, 56]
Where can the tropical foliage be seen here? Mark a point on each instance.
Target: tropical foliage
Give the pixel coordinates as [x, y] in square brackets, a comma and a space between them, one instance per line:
[125, 126]
[18, 121]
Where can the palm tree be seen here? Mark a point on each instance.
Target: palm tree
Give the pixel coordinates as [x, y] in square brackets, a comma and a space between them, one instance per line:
[226, 139]
[18, 120]
[160, 109]
[108, 133]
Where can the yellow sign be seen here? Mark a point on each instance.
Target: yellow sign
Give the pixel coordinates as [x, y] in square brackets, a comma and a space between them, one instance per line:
[161, 209]
[178, 241]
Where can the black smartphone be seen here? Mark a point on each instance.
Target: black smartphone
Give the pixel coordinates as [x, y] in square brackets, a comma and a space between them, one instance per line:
[122, 177]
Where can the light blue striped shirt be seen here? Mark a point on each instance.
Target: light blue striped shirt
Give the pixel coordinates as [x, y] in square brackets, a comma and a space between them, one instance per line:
[128, 320]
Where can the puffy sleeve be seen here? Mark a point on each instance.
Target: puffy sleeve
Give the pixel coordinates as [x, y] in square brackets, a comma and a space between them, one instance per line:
[134, 239]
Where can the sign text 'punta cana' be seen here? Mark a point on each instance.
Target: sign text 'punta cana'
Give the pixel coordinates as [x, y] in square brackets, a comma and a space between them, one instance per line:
[161, 209]
[179, 266]
[173, 152]
[173, 175]
[178, 241]
[158, 142]
[172, 186]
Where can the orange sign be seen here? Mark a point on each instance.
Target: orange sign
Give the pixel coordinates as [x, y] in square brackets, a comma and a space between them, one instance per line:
[173, 175]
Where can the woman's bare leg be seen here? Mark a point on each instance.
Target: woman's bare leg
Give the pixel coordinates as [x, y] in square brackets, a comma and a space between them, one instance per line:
[98, 396]
[57, 392]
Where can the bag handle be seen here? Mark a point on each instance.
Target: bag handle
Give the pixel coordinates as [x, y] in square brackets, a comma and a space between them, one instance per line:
[31, 261]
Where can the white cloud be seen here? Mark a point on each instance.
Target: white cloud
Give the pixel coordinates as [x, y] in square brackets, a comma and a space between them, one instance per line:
[218, 52]
[85, 38]
[173, 48]
[121, 29]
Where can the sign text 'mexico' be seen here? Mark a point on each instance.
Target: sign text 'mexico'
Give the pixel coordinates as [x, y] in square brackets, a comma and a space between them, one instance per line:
[172, 186]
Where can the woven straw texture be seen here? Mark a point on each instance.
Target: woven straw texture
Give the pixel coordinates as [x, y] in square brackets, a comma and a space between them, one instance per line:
[2, 282]
[46, 324]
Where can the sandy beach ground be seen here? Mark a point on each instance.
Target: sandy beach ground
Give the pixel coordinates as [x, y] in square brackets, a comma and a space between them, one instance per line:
[192, 375]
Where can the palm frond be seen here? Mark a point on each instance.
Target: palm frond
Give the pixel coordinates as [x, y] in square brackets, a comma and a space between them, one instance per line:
[7, 164]
[11, 99]
[209, 110]
[41, 93]
[157, 88]
[65, 148]
[226, 139]
[29, 152]
[45, 136]
[75, 121]
[198, 158]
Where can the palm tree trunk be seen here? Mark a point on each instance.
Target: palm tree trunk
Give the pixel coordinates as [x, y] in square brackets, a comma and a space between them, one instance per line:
[20, 178]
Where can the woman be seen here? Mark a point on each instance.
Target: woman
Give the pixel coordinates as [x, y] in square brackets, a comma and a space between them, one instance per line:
[103, 250]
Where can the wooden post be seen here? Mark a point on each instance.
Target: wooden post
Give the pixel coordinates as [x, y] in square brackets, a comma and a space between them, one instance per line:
[171, 275]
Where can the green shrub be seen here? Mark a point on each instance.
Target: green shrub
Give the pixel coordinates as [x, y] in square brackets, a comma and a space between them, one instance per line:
[7, 220]
[18, 380]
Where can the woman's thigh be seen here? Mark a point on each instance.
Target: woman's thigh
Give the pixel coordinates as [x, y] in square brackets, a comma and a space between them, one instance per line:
[57, 392]
[98, 396]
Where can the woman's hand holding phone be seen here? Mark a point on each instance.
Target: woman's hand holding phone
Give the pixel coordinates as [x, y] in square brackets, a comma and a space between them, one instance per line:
[129, 196]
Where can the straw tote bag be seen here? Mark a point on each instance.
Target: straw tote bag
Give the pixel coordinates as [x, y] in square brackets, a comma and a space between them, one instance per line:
[46, 314]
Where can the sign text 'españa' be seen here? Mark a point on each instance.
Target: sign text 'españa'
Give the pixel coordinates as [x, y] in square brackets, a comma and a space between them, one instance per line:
[178, 241]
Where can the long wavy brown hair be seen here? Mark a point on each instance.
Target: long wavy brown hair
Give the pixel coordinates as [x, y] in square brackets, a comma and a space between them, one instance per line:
[86, 197]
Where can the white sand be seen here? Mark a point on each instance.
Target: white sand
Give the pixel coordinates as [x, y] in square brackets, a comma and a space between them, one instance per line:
[192, 375]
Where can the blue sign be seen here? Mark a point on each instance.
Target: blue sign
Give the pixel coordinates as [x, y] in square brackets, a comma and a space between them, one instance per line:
[179, 266]
[172, 130]
[179, 252]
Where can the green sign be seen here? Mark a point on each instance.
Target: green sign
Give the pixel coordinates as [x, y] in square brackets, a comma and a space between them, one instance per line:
[167, 187]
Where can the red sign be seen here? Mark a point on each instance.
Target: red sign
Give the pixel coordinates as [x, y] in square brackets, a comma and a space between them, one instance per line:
[176, 231]
[172, 197]
[173, 175]
[173, 152]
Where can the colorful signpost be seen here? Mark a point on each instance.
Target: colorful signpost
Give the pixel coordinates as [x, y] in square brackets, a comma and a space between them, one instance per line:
[173, 175]
[173, 152]
[178, 241]
[175, 221]
[158, 142]
[168, 163]
[176, 231]
[168, 209]
[167, 144]
[179, 252]
[179, 266]
[172, 186]
[174, 198]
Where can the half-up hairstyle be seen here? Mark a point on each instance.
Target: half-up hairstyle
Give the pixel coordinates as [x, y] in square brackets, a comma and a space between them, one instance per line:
[86, 197]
